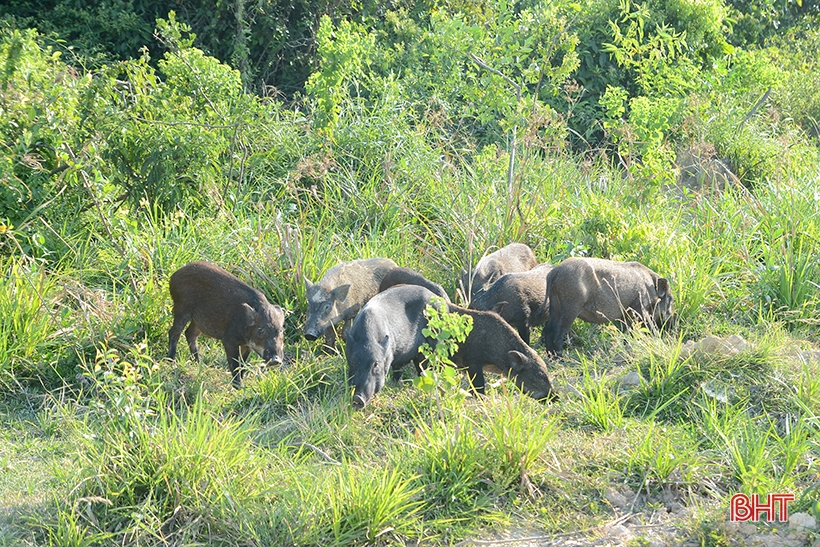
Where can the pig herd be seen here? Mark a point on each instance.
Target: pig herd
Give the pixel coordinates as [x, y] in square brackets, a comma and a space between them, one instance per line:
[380, 307]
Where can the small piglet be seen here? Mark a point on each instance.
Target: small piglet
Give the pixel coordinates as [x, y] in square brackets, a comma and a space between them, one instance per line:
[220, 306]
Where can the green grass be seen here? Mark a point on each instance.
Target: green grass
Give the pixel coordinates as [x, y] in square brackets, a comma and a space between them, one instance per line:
[168, 451]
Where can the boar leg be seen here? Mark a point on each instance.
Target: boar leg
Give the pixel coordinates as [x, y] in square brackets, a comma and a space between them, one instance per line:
[524, 333]
[329, 339]
[555, 331]
[173, 335]
[234, 364]
[191, 334]
[476, 377]
[244, 353]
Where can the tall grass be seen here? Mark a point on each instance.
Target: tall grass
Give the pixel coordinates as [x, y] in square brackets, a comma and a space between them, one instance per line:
[30, 323]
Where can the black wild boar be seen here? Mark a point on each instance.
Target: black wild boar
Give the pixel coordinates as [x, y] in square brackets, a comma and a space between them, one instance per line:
[599, 291]
[406, 276]
[516, 297]
[387, 334]
[220, 306]
[341, 293]
[515, 257]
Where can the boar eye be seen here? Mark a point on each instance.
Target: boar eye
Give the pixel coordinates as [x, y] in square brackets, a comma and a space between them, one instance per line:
[260, 331]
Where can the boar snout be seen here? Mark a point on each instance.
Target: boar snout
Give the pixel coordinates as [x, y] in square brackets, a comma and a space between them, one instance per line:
[311, 335]
[359, 402]
[272, 356]
[544, 396]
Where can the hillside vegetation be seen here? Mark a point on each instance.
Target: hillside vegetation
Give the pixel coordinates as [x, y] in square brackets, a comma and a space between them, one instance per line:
[429, 134]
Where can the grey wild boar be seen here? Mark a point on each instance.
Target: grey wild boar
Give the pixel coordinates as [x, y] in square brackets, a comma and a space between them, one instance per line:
[406, 276]
[386, 335]
[220, 306]
[599, 291]
[515, 257]
[341, 293]
[516, 297]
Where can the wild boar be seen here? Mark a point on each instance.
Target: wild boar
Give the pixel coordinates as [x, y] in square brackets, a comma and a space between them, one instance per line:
[599, 291]
[406, 276]
[387, 334]
[220, 306]
[341, 293]
[516, 297]
[494, 346]
[515, 257]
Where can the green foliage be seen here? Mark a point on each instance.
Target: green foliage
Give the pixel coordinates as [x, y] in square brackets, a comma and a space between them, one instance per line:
[448, 330]
[366, 507]
[343, 56]
[171, 466]
[463, 462]
[96, 32]
[598, 401]
[28, 322]
[757, 20]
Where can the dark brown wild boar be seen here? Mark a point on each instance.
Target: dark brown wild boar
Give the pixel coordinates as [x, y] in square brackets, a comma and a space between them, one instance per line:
[220, 306]
[516, 297]
[599, 291]
[494, 346]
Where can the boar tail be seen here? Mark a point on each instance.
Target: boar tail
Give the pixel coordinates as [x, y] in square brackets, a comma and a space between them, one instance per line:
[542, 313]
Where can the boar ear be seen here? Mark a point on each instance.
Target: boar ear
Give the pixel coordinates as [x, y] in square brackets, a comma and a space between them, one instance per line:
[340, 292]
[517, 360]
[384, 341]
[662, 287]
[498, 307]
[251, 314]
[308, 283]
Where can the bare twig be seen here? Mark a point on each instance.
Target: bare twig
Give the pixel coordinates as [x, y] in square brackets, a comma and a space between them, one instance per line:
[322, 453]
[751, 113]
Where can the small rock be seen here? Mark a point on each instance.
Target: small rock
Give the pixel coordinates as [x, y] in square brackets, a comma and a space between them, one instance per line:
[731, 527]
[631, 379]
[715, 345]
[747, 529]
[798, 536]
[737, 342]
[674, 507]
[615, 498]
[619, 530]
[802, 521]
